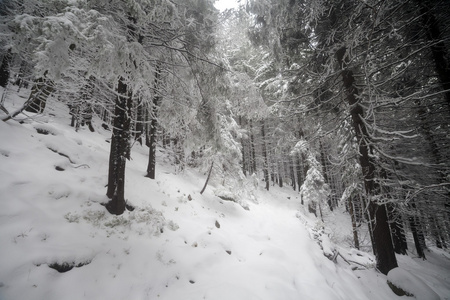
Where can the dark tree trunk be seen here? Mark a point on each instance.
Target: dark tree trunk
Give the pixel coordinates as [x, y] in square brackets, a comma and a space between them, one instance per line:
[244, 161]
[4, 69]
[252, 149]
[139, 129]
[439, 159]
[437, 47]
[152, 130]
[207, 178]
[151, 167]
[323, 161]
[417, 236]
[291, 168]
[264, 153]
[382, 240]
[435, 231]
[299, 172]
[354, 225]
[397, 230]
[120, 150]
[20, 77]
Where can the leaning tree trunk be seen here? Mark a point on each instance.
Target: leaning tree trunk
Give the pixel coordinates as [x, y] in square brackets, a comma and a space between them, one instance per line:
[207, 179]
[382, 240]
[120, 150]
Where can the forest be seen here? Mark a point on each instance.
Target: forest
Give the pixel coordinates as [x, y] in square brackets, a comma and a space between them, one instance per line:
[341, 104]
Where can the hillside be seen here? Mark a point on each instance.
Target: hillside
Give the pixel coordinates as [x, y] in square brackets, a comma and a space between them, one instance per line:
[176, 243]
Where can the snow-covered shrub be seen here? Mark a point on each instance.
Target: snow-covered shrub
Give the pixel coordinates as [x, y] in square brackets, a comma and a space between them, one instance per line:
[315, 191]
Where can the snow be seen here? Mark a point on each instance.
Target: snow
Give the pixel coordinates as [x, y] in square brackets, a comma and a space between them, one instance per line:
[169, 247]
[411, 284]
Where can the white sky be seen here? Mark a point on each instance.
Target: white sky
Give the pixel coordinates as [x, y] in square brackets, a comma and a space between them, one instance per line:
[224, 4]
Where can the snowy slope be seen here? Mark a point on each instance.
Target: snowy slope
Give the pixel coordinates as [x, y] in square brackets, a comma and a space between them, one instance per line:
[170, 247]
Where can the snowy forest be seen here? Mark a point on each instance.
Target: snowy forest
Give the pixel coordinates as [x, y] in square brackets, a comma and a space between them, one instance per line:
[280, 149]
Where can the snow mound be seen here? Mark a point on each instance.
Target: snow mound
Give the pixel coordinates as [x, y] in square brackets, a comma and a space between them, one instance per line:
[410, 284]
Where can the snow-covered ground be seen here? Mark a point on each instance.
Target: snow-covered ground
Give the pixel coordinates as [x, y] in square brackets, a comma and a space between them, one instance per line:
[176, 244]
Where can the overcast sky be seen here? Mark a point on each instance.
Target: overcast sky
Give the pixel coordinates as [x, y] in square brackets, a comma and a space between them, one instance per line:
[224, 4]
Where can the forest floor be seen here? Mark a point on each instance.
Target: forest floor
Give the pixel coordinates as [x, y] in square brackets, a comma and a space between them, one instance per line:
[176, 244]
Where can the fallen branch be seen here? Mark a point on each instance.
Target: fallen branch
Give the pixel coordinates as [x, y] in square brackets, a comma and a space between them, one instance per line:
[352, 262]
[4, 109]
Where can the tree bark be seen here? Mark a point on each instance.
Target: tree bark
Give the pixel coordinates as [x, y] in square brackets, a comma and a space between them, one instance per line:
[397, 230]
[382, 240]
[207, 178]
[120, 150]
[291, 168]
[437, 48]
[264, 153]
[139, 127]
[354, 225]
[416, 236]
[244, 160]
[152, 130]
[4, 69]
[299, 172]
[323, 161]
[252, 149]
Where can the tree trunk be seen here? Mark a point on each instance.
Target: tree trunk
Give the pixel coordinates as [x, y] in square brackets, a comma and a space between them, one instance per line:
[416, 236]
[207, 178]
[252, 149]
[152, 130]
[139, 128]
[4, 69]
[437, 47]
[397, 230]
[323, 161]
[244, 161]
[291, 168]
[120, 150]
[299, 172]
[151, 167]
[382, 240]
[264, 153]
[354, 225]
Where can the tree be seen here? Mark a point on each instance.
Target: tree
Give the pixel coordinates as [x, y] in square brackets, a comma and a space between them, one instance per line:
[120, 149]
[314, 191]
[4, 68]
